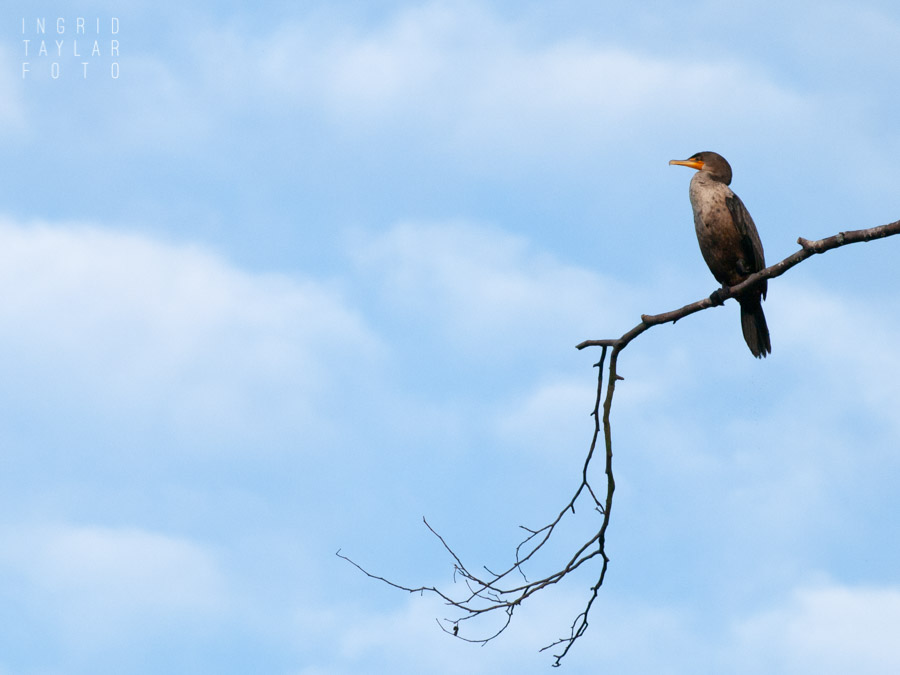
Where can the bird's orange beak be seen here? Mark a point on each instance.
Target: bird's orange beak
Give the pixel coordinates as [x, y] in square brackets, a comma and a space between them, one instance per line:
[693, 163]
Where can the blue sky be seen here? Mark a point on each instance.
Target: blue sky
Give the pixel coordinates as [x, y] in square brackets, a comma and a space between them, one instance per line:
[307, 272]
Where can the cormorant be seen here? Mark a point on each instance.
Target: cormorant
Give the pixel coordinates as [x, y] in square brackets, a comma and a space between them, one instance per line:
[729, 241]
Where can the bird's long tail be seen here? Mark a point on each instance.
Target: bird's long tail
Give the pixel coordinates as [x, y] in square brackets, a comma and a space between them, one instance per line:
[753, 323]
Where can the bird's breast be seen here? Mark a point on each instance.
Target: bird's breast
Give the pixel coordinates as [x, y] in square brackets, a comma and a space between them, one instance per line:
[718, 236]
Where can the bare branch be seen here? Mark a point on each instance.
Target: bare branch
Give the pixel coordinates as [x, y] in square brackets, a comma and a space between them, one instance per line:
[807, 250]
[496, 592]
[493, 593]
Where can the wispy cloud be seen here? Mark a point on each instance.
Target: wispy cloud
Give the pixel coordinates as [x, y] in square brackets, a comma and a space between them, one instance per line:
[486, 290]
[469, 79]
[12, 107]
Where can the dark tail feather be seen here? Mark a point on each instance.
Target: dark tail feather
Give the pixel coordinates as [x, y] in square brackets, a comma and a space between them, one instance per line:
[753, 323]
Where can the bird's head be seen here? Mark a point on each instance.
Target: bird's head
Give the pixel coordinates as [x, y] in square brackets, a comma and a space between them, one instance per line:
[711, 163]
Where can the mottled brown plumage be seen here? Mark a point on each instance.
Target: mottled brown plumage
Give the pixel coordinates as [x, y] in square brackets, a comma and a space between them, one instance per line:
[729, 241]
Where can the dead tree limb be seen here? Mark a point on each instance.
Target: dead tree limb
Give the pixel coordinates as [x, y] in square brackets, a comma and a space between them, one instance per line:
[501, 593]
[807, 249]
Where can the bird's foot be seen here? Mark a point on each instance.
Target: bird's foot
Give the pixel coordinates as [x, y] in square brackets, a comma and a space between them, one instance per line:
[718, 296]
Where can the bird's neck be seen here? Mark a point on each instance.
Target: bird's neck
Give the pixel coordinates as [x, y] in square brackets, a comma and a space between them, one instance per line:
[707, 178]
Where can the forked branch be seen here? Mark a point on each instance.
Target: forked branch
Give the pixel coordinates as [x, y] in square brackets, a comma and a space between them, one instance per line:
[501, 593]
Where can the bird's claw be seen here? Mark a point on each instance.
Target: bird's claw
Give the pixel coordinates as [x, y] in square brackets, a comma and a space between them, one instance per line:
[717, 297]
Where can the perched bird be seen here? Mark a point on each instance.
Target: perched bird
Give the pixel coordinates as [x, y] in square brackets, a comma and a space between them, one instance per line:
[729, 241]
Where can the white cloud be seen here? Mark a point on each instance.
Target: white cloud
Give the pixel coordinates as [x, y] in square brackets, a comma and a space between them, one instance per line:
[123, 327]
[99, 584]
[824, 629]
[408, 639]
[128, 567]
